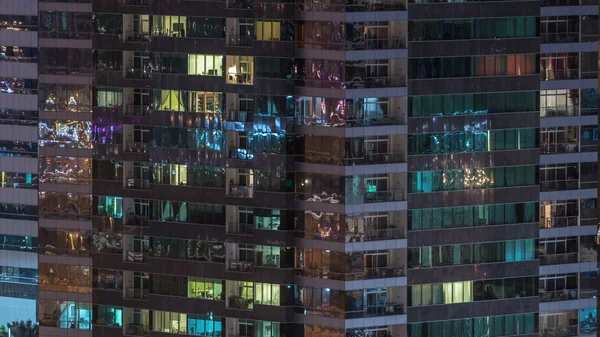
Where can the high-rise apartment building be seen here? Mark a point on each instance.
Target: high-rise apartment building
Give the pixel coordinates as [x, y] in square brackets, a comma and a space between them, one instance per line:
[322, 168]
[18, 160]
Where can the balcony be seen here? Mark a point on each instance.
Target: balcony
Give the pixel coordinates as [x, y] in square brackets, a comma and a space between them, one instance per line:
[561, 331]
[240, 40]
[240, 228]
[237, 191]
[240, 266]
[366, 159]
[136, 293]
[356, 82]
[553, 259]
[558, 222]
[136, 330]
[243, 79]
[559, 111]
[554, 148]
[559, 74]
[136, 2]
[558, 295]
[383, 196]
[137, 147]
[237, 302]
[559, 185]
[366, 274]
[137, 110]
[351, 6]
[559, 37]
[137, 257]
[136, 220]
[136, 37]
[137, 184]
[138, 74]
[243, 154]
[384, 309]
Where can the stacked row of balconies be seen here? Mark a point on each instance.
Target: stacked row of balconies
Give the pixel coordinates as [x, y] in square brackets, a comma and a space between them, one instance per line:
[568, 172]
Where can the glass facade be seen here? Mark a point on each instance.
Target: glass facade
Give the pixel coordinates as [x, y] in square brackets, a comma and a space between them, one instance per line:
[234, 167]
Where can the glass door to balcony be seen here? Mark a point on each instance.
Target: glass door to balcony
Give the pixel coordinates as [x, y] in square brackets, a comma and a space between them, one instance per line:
[141, 24]
[376, 149]
[375, 263]
[245, 328]
[375, 298]
[376, 73]
[141, 64]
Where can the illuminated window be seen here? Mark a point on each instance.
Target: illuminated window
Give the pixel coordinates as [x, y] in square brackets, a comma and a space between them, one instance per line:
[268, 30]
[205, 65]
[109, 97]
[267, 294]
[209, 289]
[108, 316]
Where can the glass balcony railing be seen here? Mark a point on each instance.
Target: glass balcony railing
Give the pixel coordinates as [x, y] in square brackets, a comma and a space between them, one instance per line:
[559, 185]
[137, 147]
[240, 266]
[136, 293]
[552, 259]
[136, 73]
[366, 235]
[240, 191]
[240, 40]
[558, 295]
[365, 274]
[558, 222]
[138, 184]
[561, 331]
[137, 110]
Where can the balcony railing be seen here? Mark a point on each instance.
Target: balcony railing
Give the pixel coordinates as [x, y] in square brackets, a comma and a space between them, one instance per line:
[241, 266]
[376, 310]
[384, 196]
[137, 110]
[552, 148]
[368, 235]
[367, 273]
[366, 159]
[240, 191]
[236, 302]
[552, 259]
[240, 40]
[240, 116]
[235, 78]
[558, 295]
[136, 2]
[357, 82]
[137, 73]
[559, 37]
[351, 6]
[559, 74]
[138, 184]
[238, 153]
[137, 147]
[136, 330]
[137, 257]
[356, 119]
[240, 228]
[136, 293]
[561, 331]
[559, 112]
[137, 37]
[136, 220]
[559, 185]
[559, 222]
